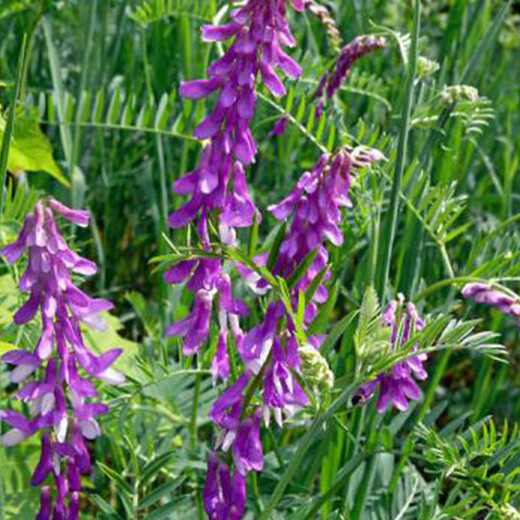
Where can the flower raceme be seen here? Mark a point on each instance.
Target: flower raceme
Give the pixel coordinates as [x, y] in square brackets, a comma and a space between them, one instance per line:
[487, 294]
[259, 31]
[270, 352]
[59, 402]
[332, 80]
[397, 385]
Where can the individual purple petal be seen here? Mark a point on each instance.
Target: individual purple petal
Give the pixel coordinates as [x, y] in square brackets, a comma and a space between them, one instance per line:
[79, 217]
[45, 465]
[45, 504]
[199, 88]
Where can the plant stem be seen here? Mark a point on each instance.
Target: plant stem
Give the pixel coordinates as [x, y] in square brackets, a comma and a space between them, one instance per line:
[312, 433]
[9, 128]
[4, 155]
[402, 147]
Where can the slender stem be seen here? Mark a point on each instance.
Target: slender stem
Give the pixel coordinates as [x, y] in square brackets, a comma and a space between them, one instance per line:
[9, 127]
[402, 147]
[195, 411]
[312, 433]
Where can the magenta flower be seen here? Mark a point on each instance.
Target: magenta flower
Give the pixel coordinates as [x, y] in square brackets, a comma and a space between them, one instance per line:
[58, 401]
[315, 206]
[258, 31]
[487, 294]
[224, 497]
[331, 81]
[398, 385]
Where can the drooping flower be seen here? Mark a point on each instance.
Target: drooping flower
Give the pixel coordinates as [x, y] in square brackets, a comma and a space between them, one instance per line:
[59, 406]
[258, 31]
[224, 497]
[332, 80]
[315, 205]
[397, 386]
[489, 295]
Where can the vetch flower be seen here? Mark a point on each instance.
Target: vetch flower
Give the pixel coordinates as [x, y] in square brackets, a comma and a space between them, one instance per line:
[224, 498]
[397, 386]
[58, 402]
[332, 80]
[489, 295]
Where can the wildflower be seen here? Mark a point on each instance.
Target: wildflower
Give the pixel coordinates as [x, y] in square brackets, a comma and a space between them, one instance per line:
[331, 81]
[397, 385]
[487, 294]
[315, 205]
[259, 30]
[65, 420]
[224, 498]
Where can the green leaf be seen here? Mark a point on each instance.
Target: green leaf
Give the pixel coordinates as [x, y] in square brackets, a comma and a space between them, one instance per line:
[30, 150]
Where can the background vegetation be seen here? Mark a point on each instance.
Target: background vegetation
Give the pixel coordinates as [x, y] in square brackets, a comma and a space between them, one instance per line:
[101, 82]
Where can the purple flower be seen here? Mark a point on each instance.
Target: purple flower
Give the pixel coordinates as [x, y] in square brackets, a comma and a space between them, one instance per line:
[331, 81]
[258, 31]
[280, 126]
[224, 498]
[282, 392]
[247, 448]
[227, 409]
[58, 402]
[487, 294]
[45, 504]
[315, 205]
[397, 385]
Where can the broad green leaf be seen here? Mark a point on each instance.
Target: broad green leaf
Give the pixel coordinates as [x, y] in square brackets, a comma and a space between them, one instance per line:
[30, 150]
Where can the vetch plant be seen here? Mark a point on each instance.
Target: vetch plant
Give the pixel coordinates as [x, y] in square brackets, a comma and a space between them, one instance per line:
[59, 396]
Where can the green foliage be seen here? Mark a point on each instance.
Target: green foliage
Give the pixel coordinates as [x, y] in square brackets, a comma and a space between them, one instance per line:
[479, 467]
[30, 150]
[101, 92]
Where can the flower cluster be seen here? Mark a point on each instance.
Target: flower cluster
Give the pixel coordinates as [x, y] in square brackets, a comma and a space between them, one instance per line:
[220, 201]
[218, 188]
[487, 294]
[259, 31]
[59, 402]
[331, 81]
[315, 206]
[271, 352]
[397, 385]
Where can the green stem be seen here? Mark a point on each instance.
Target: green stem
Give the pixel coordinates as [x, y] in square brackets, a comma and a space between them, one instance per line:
[312, 433]
[402, 147]
[9, 127]
[194, 411]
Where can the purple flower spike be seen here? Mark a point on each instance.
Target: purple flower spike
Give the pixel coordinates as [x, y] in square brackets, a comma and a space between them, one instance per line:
[315, 206]
[486, 294]
[397, 386]
[58, 401]
[332, 80]
[258, 31]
